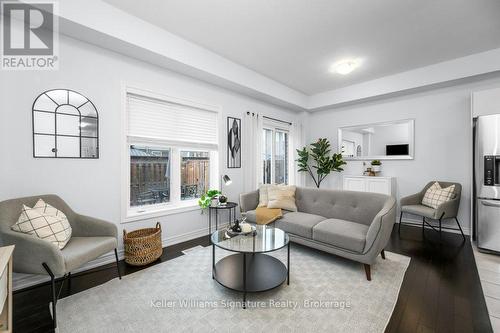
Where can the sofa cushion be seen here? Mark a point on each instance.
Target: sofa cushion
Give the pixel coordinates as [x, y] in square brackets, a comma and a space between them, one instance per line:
[341, 233]
[251, 216]
[419, 210]
[81, 250]
[298, 223]
[354, 206]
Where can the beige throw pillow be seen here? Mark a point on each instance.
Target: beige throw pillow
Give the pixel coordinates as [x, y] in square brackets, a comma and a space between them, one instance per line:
[45, 222]
[282, 197]
[263, 198]
[435, 195]
[263, 193]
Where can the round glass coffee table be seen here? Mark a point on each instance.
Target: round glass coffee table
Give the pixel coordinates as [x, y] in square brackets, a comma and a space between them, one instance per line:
[250, 269]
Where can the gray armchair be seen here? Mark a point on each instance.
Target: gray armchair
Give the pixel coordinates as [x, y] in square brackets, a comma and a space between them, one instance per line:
[413, 205]
[90, 239]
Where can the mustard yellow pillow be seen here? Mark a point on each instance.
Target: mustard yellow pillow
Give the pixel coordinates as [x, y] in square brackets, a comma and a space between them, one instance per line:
[282, 197]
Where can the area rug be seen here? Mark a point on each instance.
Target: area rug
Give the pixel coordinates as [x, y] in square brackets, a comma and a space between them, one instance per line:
[326, 294]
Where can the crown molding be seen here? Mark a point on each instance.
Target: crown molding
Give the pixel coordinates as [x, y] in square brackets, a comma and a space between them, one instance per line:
[101, 24]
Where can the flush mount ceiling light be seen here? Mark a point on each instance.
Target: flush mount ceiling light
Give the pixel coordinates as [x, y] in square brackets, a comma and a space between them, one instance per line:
[345, 67]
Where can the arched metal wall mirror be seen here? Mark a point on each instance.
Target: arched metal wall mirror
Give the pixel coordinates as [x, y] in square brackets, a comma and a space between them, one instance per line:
[65, 125]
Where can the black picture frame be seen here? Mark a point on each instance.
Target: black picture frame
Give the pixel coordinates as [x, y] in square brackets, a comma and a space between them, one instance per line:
[233, 143]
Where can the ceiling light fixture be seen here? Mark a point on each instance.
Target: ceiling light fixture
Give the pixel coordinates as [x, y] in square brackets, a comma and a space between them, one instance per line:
[345, 67]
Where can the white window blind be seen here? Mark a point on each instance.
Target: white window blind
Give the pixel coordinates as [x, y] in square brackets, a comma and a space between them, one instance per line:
[156, 119]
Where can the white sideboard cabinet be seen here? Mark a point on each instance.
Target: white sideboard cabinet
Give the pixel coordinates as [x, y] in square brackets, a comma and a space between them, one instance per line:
[376, 184]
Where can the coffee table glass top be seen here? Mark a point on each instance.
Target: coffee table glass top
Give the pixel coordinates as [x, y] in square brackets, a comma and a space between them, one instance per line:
[265, 239]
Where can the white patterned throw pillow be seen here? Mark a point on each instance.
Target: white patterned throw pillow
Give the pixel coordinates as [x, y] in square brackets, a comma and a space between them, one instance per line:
[435, 195]
[44, 222]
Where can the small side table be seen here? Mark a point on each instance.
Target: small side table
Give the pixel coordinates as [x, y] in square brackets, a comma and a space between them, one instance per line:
[230, 206]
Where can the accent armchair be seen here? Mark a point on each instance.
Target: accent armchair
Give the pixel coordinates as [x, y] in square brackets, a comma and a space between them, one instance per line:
[413, 205]
[90, 239]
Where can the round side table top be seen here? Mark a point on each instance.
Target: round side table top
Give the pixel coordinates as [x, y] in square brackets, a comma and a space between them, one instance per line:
[228, 205]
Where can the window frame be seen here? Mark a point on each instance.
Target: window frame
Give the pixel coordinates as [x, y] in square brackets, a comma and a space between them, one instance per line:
[274, 127]
[175, 204]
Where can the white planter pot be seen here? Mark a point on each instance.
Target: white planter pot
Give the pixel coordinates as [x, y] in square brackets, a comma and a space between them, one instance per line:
[376, 168]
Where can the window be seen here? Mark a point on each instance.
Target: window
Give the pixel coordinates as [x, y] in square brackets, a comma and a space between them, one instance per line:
[275, 152]
[149, 175]
[195, 174]
[173, 153]
[281, 157]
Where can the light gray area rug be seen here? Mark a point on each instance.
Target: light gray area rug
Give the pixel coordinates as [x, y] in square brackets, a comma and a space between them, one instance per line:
[326, 294]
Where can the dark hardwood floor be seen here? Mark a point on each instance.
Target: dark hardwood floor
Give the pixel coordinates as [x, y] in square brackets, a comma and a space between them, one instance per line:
[441, 291]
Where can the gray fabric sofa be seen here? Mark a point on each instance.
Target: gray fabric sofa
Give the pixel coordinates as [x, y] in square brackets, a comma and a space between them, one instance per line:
[354, 225]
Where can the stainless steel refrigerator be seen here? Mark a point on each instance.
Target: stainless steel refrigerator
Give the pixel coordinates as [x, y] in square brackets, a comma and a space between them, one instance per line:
[486, 170]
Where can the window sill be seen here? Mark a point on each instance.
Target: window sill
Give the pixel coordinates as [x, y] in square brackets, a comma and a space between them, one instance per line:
[135, 215]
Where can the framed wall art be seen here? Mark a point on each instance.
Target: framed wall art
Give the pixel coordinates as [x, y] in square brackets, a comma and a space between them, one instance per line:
[233, 142]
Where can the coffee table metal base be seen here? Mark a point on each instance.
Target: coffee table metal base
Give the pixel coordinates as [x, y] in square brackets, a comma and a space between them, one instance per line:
[250, 272]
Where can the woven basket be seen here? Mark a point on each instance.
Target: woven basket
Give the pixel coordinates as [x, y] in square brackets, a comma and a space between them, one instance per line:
[142, 246]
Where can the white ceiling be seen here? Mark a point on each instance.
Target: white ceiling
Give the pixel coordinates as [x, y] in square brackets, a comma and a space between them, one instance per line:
[295, 41]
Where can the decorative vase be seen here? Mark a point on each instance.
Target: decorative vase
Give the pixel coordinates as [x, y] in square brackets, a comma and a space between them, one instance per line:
[222, 199]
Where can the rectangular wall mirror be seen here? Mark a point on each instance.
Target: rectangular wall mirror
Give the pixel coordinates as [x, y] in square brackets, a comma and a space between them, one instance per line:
[392, 140]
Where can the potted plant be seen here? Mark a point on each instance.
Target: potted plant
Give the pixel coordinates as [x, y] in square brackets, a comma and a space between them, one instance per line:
[206, 199]
[376, 166]
[322, 160]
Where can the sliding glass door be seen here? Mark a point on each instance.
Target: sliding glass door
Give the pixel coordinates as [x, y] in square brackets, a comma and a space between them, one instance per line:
[275, 155]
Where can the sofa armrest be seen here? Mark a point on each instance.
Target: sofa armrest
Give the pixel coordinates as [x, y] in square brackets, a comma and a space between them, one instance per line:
[249, 201]
[381, 227]
[30, 252]
[86, 226]
[414, 199]
[448, 208]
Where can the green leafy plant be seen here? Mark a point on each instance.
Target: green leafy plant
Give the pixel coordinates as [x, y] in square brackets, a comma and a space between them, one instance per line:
[206, 199]
[317, 157]
[376, 162]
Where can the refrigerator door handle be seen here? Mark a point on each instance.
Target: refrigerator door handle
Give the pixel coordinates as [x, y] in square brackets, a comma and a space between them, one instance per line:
[490, 203]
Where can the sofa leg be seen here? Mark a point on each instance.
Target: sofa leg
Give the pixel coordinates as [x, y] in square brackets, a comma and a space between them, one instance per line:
[368, 272]
[382, 254]
[54, 297]
[117, 265]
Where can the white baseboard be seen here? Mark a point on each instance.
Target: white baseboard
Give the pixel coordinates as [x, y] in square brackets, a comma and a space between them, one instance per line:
[21, 281]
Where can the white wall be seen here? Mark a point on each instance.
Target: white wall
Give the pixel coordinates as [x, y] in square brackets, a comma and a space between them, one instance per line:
[443, 139]
[93, 187]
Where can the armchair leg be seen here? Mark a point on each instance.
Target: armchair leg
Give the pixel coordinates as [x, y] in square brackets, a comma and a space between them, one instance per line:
[400, 217]
[458, 223]
[440, 219]
[54, 297]
[368, 272]
[117, 265]
[382, 254]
